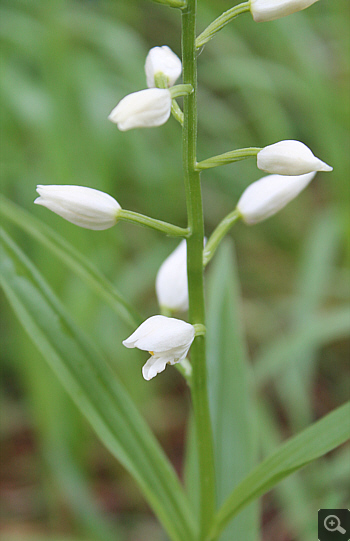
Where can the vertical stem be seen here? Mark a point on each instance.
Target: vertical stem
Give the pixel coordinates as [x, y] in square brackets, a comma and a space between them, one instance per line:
[195, 272]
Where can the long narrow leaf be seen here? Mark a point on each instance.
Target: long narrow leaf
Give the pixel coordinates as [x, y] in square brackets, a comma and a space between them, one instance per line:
[312, 443]
[95, 389]
[68, 255]
[229, 391]
[314, 278]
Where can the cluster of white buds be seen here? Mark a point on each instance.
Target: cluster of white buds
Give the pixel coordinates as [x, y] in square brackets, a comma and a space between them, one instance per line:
[151, 107]
[269, 10]
[291, 163]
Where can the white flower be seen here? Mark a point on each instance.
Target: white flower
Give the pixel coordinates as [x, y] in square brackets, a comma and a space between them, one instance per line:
[171, 281]
[269, 10]
[270, 194]
[167, 339]
[162, 60]
[144, 109]
[289, 158]
[82, 206]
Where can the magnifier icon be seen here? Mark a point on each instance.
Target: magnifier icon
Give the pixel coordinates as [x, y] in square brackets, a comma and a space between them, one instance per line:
[332, 524]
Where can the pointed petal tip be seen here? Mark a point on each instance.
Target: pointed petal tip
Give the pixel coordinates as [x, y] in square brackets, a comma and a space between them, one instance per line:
[128, 343]
[325, 167]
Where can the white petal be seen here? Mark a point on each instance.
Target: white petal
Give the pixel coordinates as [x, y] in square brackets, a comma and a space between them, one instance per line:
[270, 194]
[82, 206]
[162, 60]
[144, 109]
[269, 10]
[171, 281]
[289, 158]
[153, 366]
[161, 334]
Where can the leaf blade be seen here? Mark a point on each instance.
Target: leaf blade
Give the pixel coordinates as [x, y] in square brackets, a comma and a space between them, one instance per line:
[71, 258]
[229, 390]
[313, 442]
[95, 390]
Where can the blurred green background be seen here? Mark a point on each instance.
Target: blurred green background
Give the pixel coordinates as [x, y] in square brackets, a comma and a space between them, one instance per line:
[65, 65]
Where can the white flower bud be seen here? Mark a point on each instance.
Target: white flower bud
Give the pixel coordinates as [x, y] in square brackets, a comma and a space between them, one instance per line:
[144, 109]
[171, 281]
[289, 158]
[270, 194]
[82, 206]
[269, 10]
[167, 339]
[162, 60]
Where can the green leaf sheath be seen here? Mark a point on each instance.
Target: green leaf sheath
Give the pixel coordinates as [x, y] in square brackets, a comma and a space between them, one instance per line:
[95, 389]
[312, 443]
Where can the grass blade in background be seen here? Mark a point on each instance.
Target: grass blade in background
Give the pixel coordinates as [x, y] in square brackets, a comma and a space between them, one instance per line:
[315, 273]
[62, 434]
[66, 253]
[292, 497]
[312, 443]
[229, 391]
[95, 390]
[287, 350]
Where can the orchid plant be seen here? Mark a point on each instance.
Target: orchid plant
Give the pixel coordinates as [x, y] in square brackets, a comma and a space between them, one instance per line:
[291, 166]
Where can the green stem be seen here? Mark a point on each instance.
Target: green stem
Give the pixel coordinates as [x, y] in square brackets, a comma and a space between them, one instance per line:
[158, 225]
[228, 157]
[220, 22]
[218, 234]
[195, 273]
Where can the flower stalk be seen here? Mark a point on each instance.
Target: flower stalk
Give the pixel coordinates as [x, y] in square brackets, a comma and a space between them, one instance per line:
[229, 157]
[195, 273]
[218, 234]
[172, 3]
[220, 23]
[152, 223]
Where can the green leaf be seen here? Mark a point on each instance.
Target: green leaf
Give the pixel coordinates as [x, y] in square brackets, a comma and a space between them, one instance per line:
[95, 389]
[314, 278]
[293, 497]
[229, 391]
[68, 255]
[312, 443]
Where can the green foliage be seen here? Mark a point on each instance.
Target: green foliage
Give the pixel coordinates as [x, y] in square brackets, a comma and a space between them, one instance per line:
[66, 63]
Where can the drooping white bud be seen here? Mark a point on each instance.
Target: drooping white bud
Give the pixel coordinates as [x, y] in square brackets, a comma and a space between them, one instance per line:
[270, 194]
[171, 281]
[289, 158]
[162, 60]
[80, 205]
[167, 339]
[144, 109]
[269, 10]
